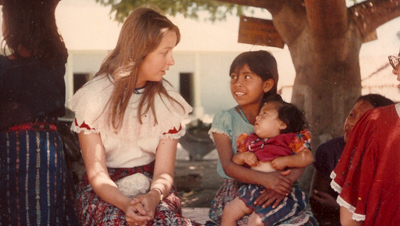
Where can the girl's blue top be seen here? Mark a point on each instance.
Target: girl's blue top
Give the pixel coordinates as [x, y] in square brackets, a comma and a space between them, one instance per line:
[231, 124]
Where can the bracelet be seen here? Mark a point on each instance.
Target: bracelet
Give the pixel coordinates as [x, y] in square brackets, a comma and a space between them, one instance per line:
[161, 193]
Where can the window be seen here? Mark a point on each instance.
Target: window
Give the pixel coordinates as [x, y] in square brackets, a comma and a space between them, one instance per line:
[186, 87]
[79, 80]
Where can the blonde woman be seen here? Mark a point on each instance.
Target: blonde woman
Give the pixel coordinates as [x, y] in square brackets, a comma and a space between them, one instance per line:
[129, 122]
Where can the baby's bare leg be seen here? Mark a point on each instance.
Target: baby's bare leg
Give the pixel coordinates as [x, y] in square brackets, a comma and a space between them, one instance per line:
[234, 211]
[255, 220]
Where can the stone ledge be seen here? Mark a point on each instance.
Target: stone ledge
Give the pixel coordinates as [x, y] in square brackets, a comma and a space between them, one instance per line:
[200, 215]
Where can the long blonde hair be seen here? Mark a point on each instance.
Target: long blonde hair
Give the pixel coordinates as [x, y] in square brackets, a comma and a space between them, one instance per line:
[140, 34]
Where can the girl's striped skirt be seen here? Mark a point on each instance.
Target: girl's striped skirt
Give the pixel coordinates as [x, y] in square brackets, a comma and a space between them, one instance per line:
[229, 191]
[226, 193]
[35, 183]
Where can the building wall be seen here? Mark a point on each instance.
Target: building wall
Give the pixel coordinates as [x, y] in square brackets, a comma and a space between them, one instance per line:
[212, 71]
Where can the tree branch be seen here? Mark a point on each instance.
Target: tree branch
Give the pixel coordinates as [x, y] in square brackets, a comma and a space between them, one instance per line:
[327, 18]
[273, 6]
[369, 15]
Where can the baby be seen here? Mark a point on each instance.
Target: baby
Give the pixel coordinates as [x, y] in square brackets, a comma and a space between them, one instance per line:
[279, 142]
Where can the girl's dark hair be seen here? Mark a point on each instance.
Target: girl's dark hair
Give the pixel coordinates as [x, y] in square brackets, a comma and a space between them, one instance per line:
[262, 63]
[32, 25]
[376, 100]
[288, 113]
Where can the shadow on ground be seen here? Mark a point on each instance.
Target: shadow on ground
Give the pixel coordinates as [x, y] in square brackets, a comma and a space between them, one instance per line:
[197, 182]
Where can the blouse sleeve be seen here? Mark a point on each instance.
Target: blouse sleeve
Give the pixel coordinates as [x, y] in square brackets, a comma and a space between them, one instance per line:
[88, 104]
[301, 141]
[353, 176]
[222, 124]
[170, 114]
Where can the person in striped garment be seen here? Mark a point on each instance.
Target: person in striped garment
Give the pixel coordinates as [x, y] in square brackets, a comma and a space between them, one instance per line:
[34, 180]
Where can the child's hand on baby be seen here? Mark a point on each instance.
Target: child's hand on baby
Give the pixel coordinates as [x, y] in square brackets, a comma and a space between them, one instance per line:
[279, 163]
[250, 159]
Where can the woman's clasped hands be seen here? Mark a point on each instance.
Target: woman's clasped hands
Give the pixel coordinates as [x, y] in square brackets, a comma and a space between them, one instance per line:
[141, 209]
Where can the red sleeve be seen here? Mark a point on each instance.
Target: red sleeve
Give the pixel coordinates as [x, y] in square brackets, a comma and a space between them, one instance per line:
[241, 142]
[301, 141]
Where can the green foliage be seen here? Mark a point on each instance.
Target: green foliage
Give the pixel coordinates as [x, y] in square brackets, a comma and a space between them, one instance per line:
[188, 8]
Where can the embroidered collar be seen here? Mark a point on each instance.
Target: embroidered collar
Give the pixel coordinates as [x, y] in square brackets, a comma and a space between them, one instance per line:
[136, 91]
[139, 90]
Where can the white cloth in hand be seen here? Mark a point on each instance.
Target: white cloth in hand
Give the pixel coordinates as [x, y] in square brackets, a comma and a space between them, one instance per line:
[134, 185]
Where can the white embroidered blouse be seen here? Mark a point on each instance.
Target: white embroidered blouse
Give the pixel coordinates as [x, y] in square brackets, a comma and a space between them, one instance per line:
[134, 144]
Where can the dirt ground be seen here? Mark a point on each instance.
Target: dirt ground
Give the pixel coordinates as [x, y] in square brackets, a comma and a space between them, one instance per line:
[197, 182]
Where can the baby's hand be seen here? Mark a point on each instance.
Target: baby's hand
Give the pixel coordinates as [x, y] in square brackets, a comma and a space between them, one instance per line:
[279, 163]
[250, 159]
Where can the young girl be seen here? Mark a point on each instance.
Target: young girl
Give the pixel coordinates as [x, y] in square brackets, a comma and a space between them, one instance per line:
[279, 141]
[254, 77]
[34, 179]
[129, 121]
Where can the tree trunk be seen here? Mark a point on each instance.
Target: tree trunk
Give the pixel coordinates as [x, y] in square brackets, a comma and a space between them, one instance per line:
[327, 84]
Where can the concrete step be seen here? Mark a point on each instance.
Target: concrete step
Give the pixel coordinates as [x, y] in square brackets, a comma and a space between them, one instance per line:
[200, 215]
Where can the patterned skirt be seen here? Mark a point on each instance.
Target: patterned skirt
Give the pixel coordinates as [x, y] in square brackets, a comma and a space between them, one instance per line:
[34, 180]
[92, 210]
[229, 191]
[291, 205]
[226, 193]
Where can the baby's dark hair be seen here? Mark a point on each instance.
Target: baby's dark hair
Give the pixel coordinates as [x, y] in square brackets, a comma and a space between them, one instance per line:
[292, 116]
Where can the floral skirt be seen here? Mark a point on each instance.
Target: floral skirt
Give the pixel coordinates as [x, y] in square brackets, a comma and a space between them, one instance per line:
[34, 180]
[92, 210]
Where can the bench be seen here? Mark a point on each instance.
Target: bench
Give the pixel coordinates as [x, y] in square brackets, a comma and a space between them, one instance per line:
[198, 214]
